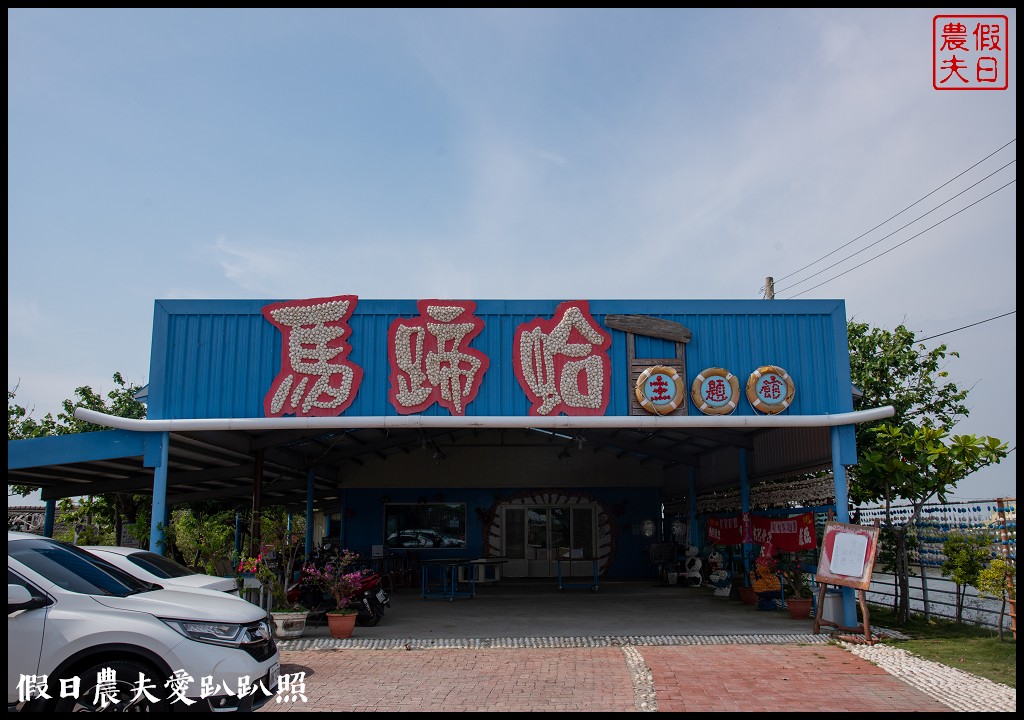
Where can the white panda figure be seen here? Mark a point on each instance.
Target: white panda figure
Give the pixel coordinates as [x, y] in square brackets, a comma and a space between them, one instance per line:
[692, 567]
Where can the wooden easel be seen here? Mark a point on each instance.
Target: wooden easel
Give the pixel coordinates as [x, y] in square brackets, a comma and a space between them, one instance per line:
[825, 577]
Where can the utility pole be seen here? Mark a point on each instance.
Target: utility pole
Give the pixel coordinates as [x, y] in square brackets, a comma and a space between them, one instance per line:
[769, 288]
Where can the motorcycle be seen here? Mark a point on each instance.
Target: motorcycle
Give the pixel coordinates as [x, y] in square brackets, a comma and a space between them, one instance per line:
[369, 601]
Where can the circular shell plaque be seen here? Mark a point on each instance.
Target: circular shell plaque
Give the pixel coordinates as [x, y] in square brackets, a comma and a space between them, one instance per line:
[715, 391]
[660, 390]
[770, 389]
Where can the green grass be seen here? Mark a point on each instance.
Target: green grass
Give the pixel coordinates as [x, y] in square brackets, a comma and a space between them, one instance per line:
[970, 648]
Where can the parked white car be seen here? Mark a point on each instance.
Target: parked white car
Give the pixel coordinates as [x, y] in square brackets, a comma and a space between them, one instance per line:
[161, 570]
[92, 637]
[422, 539]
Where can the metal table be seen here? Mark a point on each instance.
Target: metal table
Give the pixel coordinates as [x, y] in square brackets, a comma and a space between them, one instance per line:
[478, 570]
[563, 585]
[440, 578]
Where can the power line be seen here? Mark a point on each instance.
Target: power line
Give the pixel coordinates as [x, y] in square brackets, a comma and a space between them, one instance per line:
[823, 282]
[919, 217]
[930, 337]
[900, 212]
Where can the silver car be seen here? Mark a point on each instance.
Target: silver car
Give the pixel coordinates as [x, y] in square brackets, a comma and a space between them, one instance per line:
[161, 570]
[423, 539]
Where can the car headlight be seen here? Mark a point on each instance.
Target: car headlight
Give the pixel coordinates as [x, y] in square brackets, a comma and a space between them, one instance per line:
[228, 634]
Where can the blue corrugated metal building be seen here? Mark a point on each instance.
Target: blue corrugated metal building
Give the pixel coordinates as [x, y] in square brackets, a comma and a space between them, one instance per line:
[534, 430]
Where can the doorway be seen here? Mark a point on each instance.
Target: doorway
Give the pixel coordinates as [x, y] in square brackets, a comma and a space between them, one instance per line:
[536, 537]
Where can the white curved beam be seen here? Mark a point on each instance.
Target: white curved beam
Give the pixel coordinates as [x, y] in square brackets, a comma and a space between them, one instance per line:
[652, 422]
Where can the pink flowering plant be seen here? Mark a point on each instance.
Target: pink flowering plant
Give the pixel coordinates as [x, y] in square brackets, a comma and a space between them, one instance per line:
[249, 565]
[334, 579]
[259, 568]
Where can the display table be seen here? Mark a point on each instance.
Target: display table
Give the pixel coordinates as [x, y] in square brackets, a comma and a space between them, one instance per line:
[440, 578]
[479, 570]
[562, 585]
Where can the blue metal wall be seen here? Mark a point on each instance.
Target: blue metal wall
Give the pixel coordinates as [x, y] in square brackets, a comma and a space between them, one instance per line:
[363, 525]
[218, 358]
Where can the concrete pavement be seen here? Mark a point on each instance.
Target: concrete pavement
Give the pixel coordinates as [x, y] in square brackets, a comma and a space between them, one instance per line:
[629, 647]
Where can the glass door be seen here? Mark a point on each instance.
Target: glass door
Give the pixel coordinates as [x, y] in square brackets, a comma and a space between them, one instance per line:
[536, 537]
[538, 546]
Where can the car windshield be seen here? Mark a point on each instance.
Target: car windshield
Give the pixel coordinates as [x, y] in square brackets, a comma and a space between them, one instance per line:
[159, 565]
[73, 569]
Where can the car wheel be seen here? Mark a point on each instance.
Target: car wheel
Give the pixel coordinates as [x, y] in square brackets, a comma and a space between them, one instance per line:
[123, 689]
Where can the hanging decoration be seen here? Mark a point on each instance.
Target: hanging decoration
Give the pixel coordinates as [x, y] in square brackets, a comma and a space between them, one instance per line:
[715, 391]
[770, 389]
[806, 492]
[660, 390]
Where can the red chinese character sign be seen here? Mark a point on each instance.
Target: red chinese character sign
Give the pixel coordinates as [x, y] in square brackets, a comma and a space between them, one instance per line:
[660, 390]
[715, 391]
[970, 52]
[725, 530]
[315, 378]
[770, 389]
[847, 555]
[790, 534]
[563, 364]
[431, 360]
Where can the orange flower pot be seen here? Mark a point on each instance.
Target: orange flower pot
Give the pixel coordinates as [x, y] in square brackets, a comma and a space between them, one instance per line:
[341, 626]
[799, 608]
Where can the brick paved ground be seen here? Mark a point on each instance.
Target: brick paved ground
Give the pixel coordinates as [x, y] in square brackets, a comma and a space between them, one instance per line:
[694, 678]
[773, 678]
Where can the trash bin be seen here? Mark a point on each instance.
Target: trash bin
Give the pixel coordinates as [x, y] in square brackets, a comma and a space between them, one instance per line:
[832, 606]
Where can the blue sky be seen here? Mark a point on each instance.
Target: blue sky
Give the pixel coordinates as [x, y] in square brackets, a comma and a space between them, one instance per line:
[477, 154]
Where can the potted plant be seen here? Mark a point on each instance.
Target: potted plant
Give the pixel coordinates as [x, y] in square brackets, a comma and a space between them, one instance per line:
[289, 618]
[281, 553]
[799, 598]
[246, 567]
[334, 578]
[764, 579]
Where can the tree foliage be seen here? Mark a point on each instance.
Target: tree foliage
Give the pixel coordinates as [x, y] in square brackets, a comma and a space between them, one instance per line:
[203, 535]
[120, 402]
[105, 513]
[913, 456]
[998, 580]
[966, 556]
[282, 535]
[891, 368]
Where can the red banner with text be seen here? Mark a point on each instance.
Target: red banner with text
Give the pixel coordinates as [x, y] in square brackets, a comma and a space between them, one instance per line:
[790, 534]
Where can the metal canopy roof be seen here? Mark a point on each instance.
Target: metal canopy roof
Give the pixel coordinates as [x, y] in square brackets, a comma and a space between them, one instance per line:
[221, 464]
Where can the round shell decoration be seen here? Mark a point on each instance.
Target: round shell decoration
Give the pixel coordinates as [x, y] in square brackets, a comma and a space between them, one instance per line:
[770, 389]
[660, 390]
[715, 391]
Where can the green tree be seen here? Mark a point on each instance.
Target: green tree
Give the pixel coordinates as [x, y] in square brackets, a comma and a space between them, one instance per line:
[916, 465]
[887, 557]
[104, 512]
[82, 521]
[203, 535]
[892, 368]
[913, 456]
[997, 580]
[282, 535]
[21, 424]
[966, 556]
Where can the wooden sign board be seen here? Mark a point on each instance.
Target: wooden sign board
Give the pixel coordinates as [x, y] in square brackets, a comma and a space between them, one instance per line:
[848, 555]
